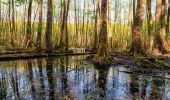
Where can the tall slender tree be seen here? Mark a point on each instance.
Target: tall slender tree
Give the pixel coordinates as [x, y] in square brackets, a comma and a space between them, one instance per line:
[0, 10]
[62, 44]
[28, 32]
[49, 26]
[160, 43]
[64, 26]
[168, 20]
[149, 22]
[95, 26]
[66, 30]
[13, 23]
[39, 26]
[137, 28]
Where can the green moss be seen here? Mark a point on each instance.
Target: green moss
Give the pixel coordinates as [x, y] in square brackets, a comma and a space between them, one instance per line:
[127, 66]
[163, 63]
[102, 60]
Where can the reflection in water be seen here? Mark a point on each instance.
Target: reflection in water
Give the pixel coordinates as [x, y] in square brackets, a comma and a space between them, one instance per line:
[41, 77]
[102, 79]
[49, 69]
[31, 79]
[74, 78]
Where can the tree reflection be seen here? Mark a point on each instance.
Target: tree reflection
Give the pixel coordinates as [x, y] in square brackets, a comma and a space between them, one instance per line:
[102, 80]
[30, 66]
[49, 69]
[39, 62]
[64, 76]
[14, 82]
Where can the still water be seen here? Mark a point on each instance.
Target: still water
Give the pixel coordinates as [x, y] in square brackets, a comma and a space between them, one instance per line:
[74, 78]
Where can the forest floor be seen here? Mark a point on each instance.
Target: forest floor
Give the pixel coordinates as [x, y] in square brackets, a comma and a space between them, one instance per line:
[152, 65]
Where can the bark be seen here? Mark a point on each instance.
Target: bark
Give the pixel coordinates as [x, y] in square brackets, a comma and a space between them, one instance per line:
[64, 27]
[75, 20]
[160, 26]
[149, 23]
[9, 20]
[129, 12]
[137, 28]
[83, 20]
[0, 12]
[39, 26]
[66, 30]
[95, 26]
[134, 10]
[103, 46]
[168, 21]
[87, 26]
[62, 44]
[13, 23]
[28, 32]
[49, 26]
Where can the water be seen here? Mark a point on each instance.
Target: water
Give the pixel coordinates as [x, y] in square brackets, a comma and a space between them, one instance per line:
[74, 78]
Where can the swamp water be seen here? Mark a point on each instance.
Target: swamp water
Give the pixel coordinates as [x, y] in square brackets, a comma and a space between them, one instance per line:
[74, 78]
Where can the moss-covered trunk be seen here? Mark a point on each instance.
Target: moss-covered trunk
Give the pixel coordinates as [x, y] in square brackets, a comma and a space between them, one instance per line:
[103, 46]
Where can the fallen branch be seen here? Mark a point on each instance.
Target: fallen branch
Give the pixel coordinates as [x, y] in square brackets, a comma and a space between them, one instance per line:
[36, 55]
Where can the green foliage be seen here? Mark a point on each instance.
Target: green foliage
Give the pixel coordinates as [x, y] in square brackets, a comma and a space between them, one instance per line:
[21, 2]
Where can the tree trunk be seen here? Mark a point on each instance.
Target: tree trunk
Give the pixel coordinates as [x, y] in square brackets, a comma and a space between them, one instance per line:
[137, 28]
[0, 12]
[62, 44]
[150, 26]
[103, 46]
[39, 26]
[83, 31]
[134, 12]
[49, 26]
[13, 23]
[75, 20]
[168, 21]
[160, 25]
[28, 32]
[129, 12]
[66, 30]
[87, 26]
[9, 20]
[95, 26]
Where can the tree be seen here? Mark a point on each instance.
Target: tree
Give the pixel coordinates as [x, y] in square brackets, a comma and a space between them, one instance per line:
[0, 10]
[95, 26]
[149, 23]
[13, 22]
[103, 46]
[64, 27]
[28, 32]
[39, 26]
[137, 28]
[49, 26]
[66, 30]
[160, 43]
[168, 20]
